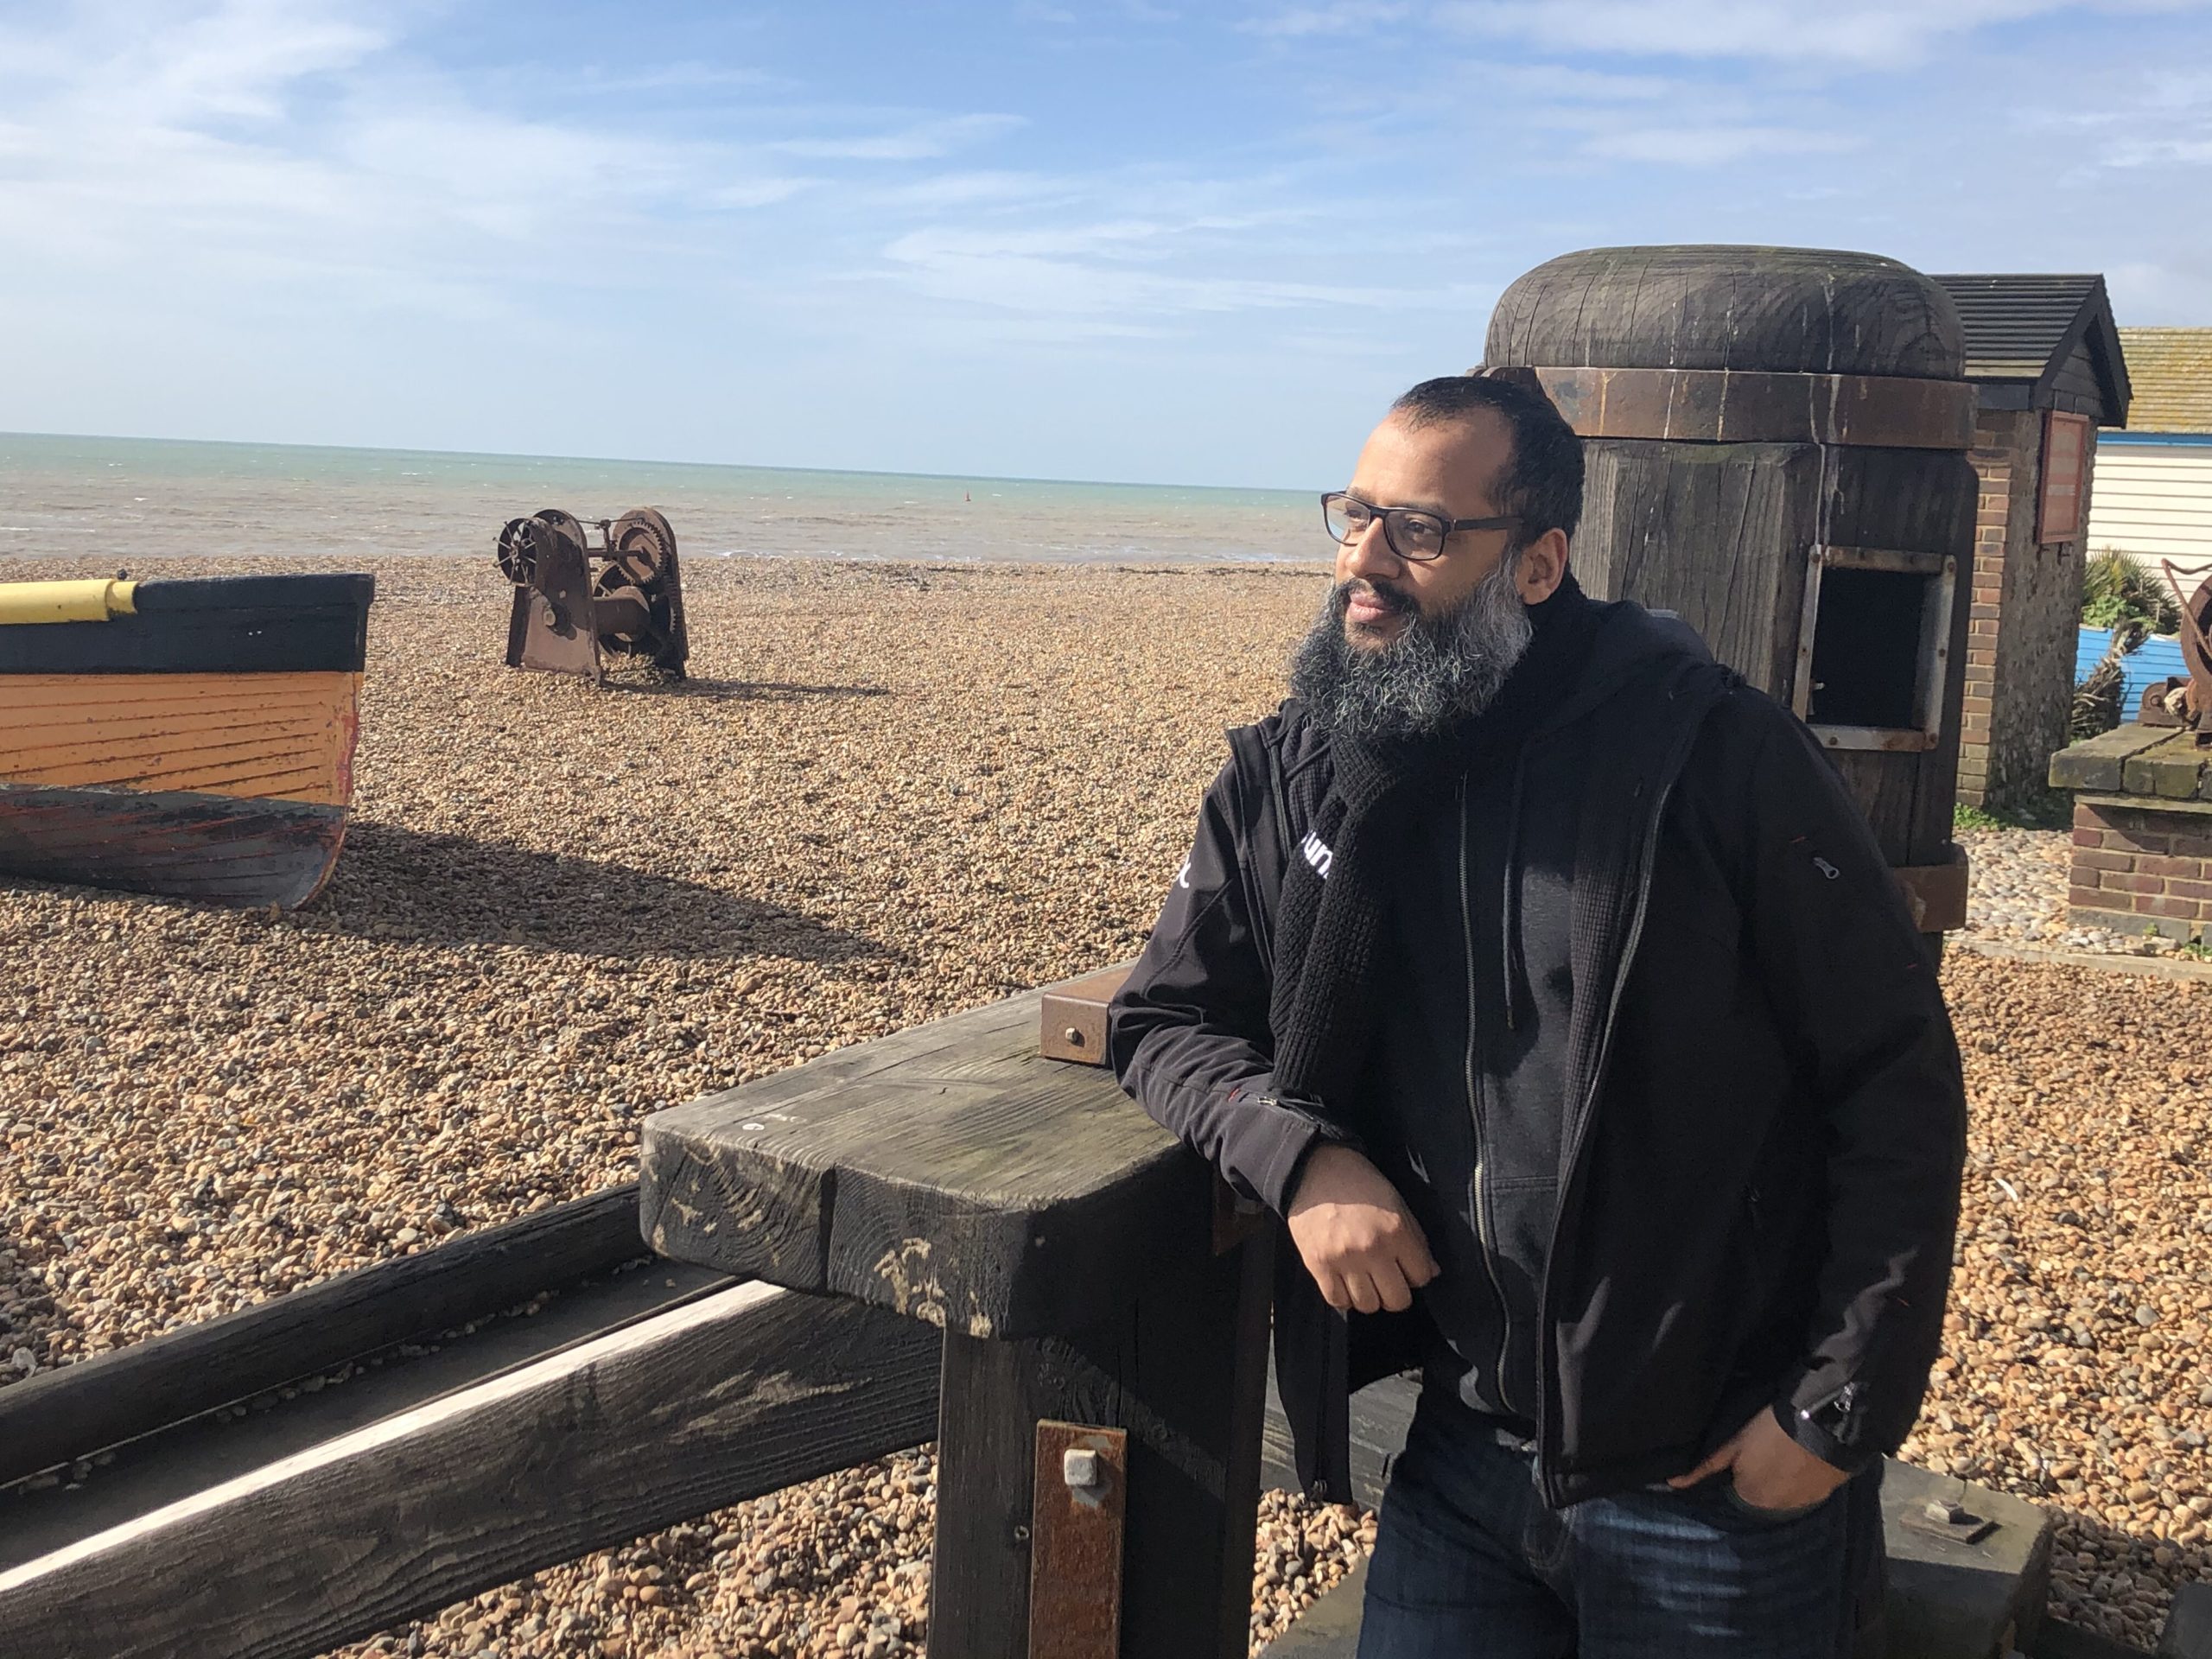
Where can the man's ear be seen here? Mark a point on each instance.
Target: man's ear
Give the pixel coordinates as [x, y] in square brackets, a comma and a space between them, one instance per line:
[1543, 567]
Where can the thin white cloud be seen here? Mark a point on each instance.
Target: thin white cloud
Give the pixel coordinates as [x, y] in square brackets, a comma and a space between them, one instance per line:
[1124, 237]
[2170, 90]
[926, 141]
[1842, 33]
[1116, 267]
[1332, 17]
[2160, 117]
[2158, 152]
[742, 194]
[241, 62]
[974, 189]
[1568, 85]
[675, 78]
[1715, 146]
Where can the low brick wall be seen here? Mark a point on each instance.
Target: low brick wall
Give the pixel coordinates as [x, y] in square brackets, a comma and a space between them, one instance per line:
[2139, 864]
[2142, 831]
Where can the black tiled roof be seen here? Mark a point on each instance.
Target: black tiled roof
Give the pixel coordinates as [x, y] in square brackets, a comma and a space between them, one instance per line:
[2016, 325]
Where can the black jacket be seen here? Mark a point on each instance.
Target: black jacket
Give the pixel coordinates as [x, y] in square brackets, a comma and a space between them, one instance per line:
[1760, 1117]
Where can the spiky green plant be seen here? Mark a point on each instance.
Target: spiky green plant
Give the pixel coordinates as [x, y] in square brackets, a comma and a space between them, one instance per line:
[2116, 589]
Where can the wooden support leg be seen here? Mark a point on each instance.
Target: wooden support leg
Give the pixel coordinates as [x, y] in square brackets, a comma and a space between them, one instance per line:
[1185, 1371]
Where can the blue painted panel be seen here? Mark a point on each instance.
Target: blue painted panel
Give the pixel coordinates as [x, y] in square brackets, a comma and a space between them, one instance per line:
[2155, 659]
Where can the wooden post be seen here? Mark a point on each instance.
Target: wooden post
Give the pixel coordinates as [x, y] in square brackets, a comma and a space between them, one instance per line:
[1776, 444]
[1183, 1369]
[1067, 1246]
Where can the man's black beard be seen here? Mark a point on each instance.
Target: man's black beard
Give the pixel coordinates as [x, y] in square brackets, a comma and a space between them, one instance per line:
[1436, 673]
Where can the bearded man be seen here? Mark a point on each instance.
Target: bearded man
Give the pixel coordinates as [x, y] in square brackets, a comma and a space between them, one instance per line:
[1543, 979]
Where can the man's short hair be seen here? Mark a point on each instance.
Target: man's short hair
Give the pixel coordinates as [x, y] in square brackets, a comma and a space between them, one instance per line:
[1543, 481]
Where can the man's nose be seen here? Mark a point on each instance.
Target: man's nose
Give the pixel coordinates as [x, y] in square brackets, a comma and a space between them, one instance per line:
[1369, 553]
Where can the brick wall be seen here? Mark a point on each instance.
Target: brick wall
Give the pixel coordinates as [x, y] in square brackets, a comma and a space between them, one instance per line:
[1994, 465]
[2025, 608]
[2140, 867]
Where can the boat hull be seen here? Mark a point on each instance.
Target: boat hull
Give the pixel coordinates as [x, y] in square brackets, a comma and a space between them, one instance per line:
[255, 736]
[199, 745]
[219, 849]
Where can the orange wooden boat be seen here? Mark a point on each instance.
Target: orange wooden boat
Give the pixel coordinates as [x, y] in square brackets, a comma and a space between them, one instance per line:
[189, 738]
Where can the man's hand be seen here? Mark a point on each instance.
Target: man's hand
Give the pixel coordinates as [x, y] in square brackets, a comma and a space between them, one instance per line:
[1355, 1234]
[1769, 1470]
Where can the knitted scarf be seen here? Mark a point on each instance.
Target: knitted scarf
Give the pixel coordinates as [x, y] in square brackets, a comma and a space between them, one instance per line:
[1329, 930]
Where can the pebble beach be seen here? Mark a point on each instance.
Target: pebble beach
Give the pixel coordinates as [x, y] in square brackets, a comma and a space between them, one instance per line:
[888, 792]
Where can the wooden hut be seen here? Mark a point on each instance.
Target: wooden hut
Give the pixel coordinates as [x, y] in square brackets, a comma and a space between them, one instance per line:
[2047, 365]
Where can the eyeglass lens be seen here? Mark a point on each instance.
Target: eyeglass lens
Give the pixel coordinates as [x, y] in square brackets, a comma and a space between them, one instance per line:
[1411, 535]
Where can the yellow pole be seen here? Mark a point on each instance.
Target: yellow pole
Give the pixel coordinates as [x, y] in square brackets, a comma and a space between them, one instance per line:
[66, 602]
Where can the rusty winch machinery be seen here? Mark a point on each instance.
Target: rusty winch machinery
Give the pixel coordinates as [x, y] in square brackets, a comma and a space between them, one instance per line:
[576, 605]
[2185, 699]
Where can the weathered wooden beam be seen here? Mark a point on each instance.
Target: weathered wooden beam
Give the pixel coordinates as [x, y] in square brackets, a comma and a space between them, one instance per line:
[116, 1397]
[950, 1173]
[39, 1518]
[1743, 406]
[744, 1392]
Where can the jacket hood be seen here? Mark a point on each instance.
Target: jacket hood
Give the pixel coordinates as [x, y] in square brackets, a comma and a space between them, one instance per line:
[1630, 646]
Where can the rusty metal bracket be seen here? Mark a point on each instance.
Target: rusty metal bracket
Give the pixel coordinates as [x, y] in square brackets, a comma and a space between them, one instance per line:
[1072, 1023]
[1076, 1509]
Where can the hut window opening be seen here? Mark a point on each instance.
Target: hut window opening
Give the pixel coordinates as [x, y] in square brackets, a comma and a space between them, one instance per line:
[1874, 651]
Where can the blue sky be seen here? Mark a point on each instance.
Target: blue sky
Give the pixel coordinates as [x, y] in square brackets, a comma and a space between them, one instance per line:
[1126, 239]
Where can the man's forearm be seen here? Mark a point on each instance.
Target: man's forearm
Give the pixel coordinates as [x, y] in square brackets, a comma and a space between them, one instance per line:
[1214, 1093]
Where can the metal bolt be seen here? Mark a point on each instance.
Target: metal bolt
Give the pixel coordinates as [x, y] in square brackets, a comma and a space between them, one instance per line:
[1079, 1468]
[1944, 1510]
[1074, 1034]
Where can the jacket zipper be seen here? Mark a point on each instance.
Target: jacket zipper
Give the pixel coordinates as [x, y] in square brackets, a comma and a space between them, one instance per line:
[1474, 1111]
[1580, 1133]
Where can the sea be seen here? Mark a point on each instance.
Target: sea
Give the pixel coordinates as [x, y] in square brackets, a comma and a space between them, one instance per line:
[114, 500]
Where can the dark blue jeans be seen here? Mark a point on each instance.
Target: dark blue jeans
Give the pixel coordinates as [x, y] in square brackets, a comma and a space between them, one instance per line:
[1470, 1563]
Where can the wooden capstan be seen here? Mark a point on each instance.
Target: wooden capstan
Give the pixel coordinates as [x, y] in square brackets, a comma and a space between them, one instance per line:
[1777, 443]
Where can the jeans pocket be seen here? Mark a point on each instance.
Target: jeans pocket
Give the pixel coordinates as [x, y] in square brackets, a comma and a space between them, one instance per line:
[1743, 1506]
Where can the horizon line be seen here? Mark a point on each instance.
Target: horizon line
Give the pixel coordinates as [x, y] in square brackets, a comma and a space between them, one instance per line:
[642, 461]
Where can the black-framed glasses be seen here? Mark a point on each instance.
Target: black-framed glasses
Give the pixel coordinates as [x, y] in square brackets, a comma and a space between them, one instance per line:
[1413, 534]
